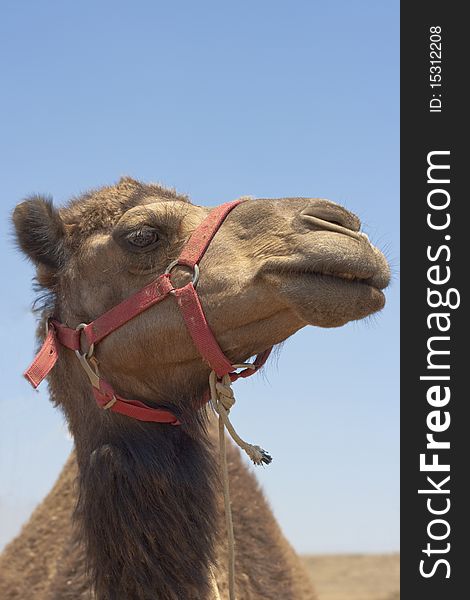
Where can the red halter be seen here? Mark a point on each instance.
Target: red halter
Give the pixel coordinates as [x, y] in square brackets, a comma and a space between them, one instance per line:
[193, 315]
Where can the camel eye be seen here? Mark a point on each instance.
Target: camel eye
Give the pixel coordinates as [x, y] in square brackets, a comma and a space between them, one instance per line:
[142, 238]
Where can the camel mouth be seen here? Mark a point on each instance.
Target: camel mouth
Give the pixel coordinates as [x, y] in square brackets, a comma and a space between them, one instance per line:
[349, 283]
[330, 295]
[377, 281]
[372, 286]
[333, 298]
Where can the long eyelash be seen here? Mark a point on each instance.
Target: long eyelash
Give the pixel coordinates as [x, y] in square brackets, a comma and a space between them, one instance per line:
[141, 233]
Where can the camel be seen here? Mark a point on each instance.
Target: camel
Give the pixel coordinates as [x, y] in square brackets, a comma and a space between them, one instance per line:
[137, 512]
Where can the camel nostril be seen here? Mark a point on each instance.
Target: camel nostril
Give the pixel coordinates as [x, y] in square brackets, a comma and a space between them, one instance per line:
[331, 213]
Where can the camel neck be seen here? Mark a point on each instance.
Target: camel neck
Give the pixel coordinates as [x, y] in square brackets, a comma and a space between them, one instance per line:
[147, 511]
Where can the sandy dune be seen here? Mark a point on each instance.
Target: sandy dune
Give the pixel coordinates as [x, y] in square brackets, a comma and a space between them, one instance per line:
[355, 576]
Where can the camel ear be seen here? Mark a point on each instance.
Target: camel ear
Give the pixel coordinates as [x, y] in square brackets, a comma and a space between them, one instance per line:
[40, 232]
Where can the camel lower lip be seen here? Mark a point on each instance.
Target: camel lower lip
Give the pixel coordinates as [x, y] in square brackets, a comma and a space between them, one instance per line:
[329, 300]
[377, 293]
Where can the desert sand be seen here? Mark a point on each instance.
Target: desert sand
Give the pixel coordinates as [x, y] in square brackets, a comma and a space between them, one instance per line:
[355, 576]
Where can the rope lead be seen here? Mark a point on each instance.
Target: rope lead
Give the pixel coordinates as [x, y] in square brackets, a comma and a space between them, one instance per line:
[222, 399]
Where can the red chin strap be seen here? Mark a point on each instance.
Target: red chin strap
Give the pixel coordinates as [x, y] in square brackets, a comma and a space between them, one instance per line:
[193, 315]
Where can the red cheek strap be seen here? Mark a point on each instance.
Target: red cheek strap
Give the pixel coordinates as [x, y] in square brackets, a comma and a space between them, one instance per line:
[201, 334]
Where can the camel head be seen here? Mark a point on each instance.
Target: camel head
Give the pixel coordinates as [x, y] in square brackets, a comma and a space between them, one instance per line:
[149, 491]
[273, 267]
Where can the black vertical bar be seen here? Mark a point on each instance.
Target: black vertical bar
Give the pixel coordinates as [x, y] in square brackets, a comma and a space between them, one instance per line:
[433, 119]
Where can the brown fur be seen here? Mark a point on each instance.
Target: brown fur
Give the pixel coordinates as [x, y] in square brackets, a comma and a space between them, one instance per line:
[149, 518]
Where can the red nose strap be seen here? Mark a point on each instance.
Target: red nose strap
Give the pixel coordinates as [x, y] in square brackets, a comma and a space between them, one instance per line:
[193, 314]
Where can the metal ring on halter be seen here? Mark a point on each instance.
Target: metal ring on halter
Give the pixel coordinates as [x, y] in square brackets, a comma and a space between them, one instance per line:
[175, 263]
[109, 404]
[91, 349]
[90, 373]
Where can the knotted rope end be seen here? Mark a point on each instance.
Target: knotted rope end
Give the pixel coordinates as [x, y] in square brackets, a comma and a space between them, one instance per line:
[258, 455]
[223, 399]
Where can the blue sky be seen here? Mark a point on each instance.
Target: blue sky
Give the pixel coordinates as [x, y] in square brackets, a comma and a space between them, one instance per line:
[219, 100]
